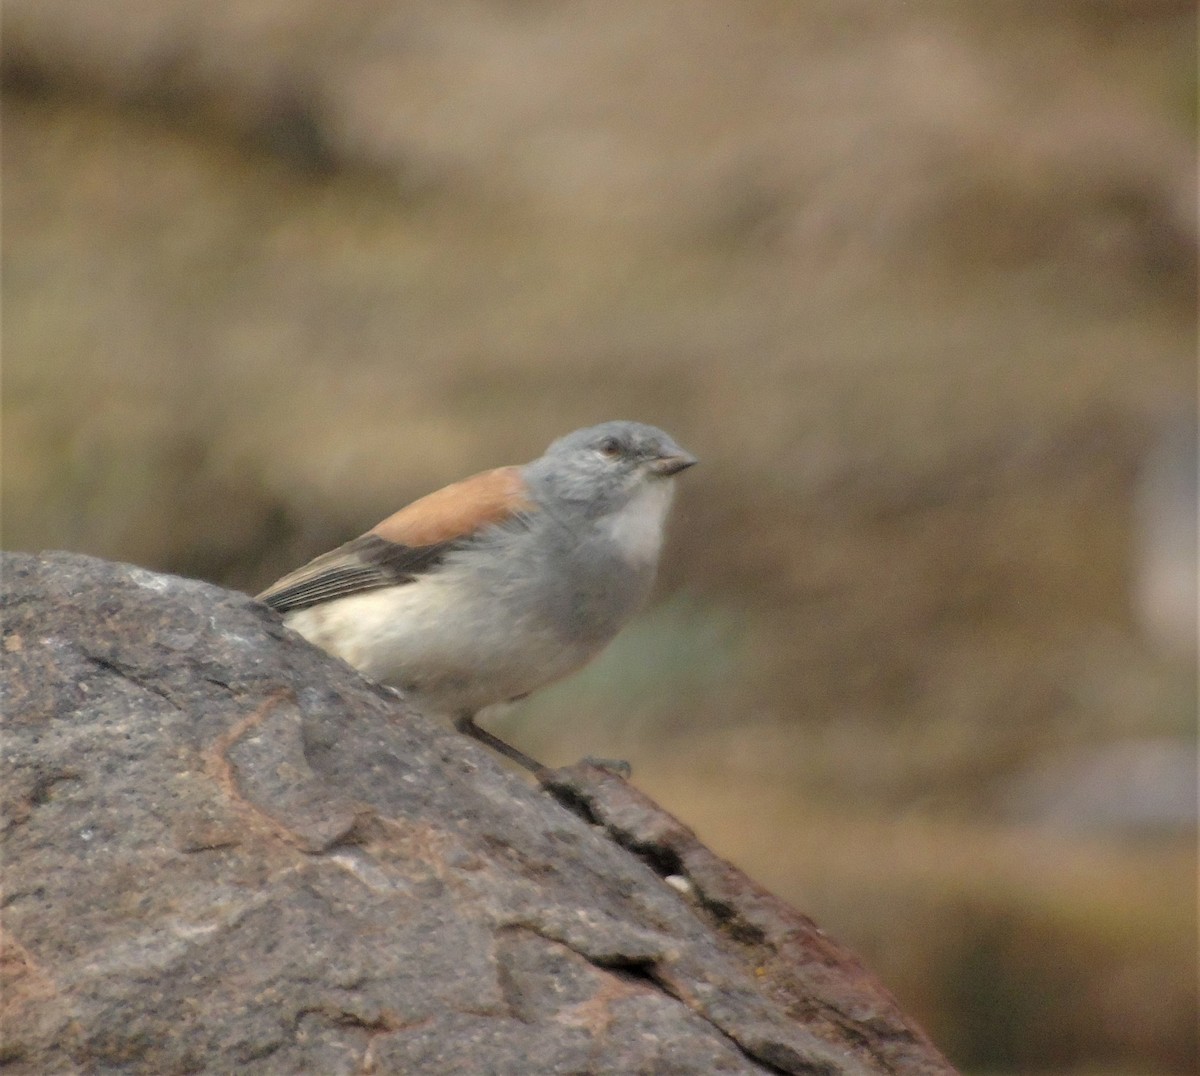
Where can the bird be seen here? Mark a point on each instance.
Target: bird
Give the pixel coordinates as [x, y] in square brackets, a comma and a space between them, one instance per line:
[495, 586]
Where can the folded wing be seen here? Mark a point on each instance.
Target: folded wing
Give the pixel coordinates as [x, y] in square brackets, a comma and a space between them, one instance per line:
[409, 543]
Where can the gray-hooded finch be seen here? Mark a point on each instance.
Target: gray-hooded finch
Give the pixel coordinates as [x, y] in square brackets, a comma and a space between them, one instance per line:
[499, 584]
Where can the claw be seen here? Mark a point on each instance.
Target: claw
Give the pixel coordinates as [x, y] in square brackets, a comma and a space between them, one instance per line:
[618, 767]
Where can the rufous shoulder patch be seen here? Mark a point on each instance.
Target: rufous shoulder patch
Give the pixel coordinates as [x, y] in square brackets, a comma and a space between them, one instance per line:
[458, 509]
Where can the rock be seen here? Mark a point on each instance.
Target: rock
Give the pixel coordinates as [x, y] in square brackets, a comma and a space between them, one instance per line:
[226, 851]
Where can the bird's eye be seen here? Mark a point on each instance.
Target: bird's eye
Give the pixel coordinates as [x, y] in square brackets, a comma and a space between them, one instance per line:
[610, 447]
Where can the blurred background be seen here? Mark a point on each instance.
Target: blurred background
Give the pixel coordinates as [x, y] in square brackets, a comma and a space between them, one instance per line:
[916, 281]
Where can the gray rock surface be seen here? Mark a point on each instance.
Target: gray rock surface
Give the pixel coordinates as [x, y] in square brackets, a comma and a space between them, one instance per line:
[225, 851]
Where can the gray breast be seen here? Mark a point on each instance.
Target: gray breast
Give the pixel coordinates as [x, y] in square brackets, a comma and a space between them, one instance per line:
[582, 591]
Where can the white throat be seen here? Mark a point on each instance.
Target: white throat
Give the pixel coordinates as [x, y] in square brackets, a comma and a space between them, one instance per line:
[637, 528]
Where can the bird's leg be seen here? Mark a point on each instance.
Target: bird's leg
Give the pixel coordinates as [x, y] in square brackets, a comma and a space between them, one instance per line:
[466, 723]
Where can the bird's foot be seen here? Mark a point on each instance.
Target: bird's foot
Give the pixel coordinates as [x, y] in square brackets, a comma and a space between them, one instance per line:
[618, 767]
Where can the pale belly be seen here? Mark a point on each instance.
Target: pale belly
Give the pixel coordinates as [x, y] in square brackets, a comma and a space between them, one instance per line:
[442, 645]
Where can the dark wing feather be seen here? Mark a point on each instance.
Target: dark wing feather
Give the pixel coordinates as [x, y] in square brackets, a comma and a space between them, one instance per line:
[366, 563]
[412, 541]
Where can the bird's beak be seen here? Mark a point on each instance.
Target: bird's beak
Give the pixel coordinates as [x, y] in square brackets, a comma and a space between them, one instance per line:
[674, 463]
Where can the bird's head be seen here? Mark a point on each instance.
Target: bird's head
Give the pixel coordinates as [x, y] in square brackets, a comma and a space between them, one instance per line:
[605, 466]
